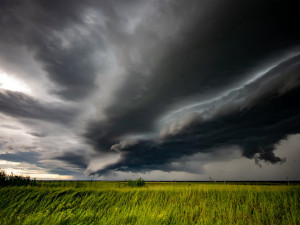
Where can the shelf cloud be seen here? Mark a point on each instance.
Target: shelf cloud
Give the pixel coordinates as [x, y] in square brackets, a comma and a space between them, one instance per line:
[113, 87]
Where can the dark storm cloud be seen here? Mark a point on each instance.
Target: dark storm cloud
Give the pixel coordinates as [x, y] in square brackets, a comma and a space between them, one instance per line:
[55, 31]
[257, 117]
[128, 64]
[216, 47]
[73, 158]
[19, 105]
[255, 131]
[27, 157]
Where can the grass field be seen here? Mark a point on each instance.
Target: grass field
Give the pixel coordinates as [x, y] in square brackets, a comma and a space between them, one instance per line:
[155, 203]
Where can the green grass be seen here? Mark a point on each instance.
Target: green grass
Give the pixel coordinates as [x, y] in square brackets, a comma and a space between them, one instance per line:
[155, 203]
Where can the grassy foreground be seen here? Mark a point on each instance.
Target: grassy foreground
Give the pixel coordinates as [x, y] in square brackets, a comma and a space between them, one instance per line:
[156, 203]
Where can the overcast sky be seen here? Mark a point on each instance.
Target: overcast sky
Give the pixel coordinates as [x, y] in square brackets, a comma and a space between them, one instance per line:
[163, 89]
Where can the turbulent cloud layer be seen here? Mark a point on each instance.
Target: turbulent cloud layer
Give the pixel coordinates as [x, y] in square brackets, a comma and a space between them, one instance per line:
[16, 104]
[142, 86]
[254, 117]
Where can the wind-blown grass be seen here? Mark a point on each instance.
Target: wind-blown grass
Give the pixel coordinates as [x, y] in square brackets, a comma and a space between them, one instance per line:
[155, 203]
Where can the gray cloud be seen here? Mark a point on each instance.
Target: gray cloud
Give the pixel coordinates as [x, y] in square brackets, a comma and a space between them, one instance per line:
[10, 127]
[277, 81]
[74, 158]
[28, 157]
[151, 81]
[59, 38]
[35, 134]
[19, 105]
[196, 62]
[267, 118]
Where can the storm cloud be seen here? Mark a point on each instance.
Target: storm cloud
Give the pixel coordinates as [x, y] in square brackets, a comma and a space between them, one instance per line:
[19, 105]
[136, 86]
[196, 62]
[255, 118]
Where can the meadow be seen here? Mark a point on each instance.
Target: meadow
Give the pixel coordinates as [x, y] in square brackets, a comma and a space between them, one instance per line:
[83, 202]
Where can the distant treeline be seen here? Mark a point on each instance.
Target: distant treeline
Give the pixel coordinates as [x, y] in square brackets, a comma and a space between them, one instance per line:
[15, 180]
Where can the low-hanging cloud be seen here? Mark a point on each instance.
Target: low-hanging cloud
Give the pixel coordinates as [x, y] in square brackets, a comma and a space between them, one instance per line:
[138, 85]
[258, 116]
[198, 60]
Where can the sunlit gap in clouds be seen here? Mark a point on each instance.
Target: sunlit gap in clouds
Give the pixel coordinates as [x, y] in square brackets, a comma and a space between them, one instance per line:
[18, 168]
[10, 83]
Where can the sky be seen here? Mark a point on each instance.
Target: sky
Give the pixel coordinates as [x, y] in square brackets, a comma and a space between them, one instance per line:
[159, 89]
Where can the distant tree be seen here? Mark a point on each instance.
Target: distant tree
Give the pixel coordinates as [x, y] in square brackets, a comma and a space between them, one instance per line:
[136, 183]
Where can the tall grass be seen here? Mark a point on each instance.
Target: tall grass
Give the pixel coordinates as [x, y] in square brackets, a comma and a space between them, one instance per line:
[155, 203]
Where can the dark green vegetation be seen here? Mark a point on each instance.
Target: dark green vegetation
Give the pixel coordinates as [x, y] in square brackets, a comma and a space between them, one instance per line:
[15, 180]
[136, 183]
[155, 203]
